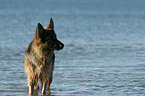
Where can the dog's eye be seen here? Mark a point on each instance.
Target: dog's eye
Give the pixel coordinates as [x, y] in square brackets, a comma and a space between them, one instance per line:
[48, 38]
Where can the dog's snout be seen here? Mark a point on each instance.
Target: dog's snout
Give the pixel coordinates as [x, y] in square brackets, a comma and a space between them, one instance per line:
[61, 46]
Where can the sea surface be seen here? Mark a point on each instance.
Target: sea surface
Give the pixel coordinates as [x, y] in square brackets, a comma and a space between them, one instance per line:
[104, 53]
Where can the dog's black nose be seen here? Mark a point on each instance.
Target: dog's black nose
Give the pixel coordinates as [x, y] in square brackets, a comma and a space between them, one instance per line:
[61, 46]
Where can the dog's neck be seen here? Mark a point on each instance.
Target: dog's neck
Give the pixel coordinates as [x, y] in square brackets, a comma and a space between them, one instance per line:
[41, 51]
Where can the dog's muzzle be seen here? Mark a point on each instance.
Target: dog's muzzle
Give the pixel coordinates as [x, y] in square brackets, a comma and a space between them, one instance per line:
[59, 45]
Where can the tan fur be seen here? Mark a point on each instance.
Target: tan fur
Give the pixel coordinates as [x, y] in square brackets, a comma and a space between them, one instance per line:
[42, 67]
[39, 58]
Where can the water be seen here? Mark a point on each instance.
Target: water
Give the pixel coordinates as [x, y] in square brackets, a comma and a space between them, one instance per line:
[104, 52]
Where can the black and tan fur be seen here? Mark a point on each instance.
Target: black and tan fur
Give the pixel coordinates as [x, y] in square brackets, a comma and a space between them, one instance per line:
[39, 57]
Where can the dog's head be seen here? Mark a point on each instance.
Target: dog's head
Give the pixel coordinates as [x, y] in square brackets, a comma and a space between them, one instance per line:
[47, 36]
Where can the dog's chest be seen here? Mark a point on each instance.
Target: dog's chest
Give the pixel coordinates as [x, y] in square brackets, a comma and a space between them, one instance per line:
[46, 65]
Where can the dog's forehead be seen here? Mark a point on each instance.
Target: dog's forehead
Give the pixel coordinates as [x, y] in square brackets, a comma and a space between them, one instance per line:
[50, 32]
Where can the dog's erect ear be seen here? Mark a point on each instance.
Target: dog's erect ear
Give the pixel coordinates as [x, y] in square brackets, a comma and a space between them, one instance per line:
[40, 32]
[50, 26]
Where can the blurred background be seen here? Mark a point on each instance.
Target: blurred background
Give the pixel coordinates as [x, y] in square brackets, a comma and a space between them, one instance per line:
[104, 52]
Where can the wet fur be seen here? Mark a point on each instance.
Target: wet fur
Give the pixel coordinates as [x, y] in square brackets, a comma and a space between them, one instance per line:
[39, 59]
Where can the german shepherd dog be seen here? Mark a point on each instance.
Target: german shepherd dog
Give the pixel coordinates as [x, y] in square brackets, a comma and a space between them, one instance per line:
[39, 57]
